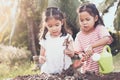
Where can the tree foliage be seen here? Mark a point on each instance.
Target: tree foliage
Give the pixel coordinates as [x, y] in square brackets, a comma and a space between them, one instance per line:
[116, 36]
[27, 27]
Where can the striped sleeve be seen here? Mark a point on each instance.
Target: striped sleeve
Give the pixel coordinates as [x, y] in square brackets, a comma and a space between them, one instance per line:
[77, 45]
[103, 32]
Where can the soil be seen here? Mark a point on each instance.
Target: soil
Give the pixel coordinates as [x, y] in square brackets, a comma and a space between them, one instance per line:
[71, 74]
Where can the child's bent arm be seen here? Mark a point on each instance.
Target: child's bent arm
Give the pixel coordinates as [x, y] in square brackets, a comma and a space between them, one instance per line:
[101, 42]
[69, 52]
[42, 57]
[42, 51]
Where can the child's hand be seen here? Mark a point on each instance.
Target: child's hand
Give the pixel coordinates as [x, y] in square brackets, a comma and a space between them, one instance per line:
[42, 59]
[89, 51]
[77, 63]
[69, 52]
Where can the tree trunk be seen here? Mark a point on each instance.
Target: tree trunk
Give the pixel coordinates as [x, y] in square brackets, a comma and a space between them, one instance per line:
[31, 36]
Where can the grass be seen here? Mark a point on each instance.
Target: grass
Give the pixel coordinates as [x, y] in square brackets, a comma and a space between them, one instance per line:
[6, 72]
[15, 61]
[116, 61]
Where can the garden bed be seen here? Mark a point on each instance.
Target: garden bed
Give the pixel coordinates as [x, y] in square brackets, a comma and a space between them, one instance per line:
[78, 76]
[71, 74]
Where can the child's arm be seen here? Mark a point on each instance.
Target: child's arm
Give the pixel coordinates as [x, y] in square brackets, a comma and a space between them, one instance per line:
[101, 42]
[42, 58]
[69, 50]
[104, 39]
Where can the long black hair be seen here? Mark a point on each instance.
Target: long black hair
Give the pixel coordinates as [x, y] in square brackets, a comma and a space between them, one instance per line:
[58, 15]
[93, 11]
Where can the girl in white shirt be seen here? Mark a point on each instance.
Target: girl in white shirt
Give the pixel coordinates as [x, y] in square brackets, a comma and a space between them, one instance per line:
[56, 44]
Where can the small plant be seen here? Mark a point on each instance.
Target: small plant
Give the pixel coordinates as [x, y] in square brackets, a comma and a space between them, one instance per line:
[13, 56]
[14, 61]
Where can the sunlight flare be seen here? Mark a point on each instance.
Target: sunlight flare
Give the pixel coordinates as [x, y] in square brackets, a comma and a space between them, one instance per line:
[8, 11]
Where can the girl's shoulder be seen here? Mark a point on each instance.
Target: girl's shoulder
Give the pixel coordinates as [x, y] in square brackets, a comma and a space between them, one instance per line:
[79, 33]
[100, 27]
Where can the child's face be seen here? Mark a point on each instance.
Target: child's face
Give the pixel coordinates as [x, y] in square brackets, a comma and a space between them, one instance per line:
[87, 22]
[54, 27]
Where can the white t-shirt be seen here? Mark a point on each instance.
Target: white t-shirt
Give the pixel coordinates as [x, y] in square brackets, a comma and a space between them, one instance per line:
[56, 60]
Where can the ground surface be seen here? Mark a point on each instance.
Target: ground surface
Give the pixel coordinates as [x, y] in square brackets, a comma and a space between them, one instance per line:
[71, 74]
[87, 76]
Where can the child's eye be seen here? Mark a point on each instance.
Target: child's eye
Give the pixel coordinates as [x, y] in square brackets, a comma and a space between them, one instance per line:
[49, 26]
[81, 20]
[88, 19]
[57, 25]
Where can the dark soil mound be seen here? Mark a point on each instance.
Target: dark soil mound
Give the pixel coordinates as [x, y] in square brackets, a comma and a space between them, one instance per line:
[76, 76]
[70, 74]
